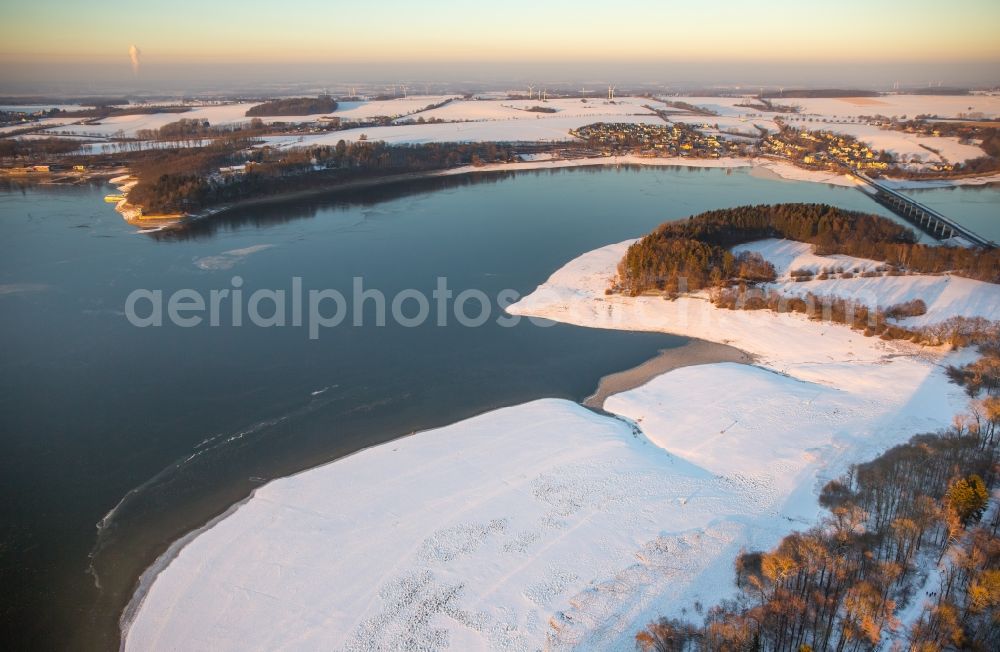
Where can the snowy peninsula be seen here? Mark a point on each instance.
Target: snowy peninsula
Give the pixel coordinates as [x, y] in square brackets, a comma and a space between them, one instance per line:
[548, 525]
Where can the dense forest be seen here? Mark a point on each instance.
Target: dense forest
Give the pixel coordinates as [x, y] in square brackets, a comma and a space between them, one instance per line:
[840, 585]
[186, 180]
[172, 180]
[688, 107]
[11, 148]
[294, 106]
[696, 252]
[192, 128]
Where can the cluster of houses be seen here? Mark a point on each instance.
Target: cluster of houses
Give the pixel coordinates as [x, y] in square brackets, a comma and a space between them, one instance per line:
[824, 149]
[8, 118]
[674, 139]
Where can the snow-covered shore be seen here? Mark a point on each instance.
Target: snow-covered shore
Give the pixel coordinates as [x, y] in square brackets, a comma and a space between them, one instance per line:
[765, 166]
[548, 525]
[768, 167]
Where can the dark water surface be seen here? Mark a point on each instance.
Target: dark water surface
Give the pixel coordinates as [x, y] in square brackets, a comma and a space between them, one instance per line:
[116, 440]
[975, 207]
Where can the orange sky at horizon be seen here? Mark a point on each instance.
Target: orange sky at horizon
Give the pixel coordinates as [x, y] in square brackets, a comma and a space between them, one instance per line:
[515, 31]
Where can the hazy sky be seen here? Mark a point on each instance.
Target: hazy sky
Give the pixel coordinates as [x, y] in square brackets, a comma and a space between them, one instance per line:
[38, 38]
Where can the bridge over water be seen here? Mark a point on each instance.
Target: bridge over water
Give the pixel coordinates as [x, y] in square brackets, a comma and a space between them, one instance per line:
[923, 217]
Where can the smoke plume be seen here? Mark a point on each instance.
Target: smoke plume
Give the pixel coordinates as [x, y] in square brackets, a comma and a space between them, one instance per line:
[133, 54]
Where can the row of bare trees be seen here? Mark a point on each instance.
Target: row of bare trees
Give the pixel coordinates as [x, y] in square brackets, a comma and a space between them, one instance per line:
[839, 586]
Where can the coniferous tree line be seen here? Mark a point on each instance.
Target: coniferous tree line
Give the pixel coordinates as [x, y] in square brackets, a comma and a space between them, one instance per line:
[172, 180]
[184, 180]
[193, 128]
[294, 106]
[11, 148]
[698, 247]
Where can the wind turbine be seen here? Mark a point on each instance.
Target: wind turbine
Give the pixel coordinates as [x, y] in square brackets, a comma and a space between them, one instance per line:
[583, 92]
[611, 93]
[403, 86]
[530, 89]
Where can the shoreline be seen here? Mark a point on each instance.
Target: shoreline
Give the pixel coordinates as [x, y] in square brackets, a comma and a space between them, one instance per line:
[149, 575]
[693, 353]
[132, 214]
[757, 429]
[761, 167]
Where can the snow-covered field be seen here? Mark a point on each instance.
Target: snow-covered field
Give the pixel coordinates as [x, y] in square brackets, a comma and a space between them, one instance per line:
[34, 108]
[724, 106]
[45, 123]
[942, 106]
[945, 295]
[130, 124]
[904, 145]
[741, 124]
[537, 127]
[498, 119]
[547, 525]
[393, 108]
[216, 115]
[832, 113]
[596, 108]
